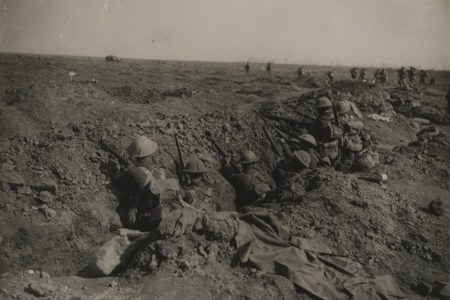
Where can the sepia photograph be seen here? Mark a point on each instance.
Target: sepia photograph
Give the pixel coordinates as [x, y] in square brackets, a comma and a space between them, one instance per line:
[224, 149]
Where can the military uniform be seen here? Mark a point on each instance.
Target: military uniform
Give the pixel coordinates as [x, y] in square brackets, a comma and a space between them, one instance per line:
[352, 144]
[249, 185]
[353, 73]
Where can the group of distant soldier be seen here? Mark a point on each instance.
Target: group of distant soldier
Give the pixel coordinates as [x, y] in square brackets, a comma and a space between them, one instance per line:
[410, 75]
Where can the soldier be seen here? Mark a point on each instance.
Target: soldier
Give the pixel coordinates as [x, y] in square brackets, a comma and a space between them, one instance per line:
[327, 134]
[362, 75]
[199, 193]
[289, 167]
[307, 143]
[352, 144]
[432, 81]
[423, 75]
[269, 68]
[383, 76]
[300, 72]
[353, 73]
[250, 186]
[247, 68]
[401, 77]
[344, 109]
[376, 76]
[330, 76]
[142, 186]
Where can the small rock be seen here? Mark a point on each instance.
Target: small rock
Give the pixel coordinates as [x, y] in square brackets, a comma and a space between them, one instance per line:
[45, 275]
[226, 127]
[30, 271]
[46, 197]
[24, 190]
[37, 290]
[112, 283]
[13, 178]
[46, 184]
[410, 215]
[48, 212]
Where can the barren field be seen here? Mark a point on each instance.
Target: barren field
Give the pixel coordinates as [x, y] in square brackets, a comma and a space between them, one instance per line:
[57, 207]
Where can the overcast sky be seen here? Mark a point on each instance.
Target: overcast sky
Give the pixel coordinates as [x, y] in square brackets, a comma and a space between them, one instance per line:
[345, 32]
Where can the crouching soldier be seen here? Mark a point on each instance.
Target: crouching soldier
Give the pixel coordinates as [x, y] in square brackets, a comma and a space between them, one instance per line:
[198, 193]
[352, 144]
[145, 187]
[327, 134]
[307, 143]
[249, 185]
[289, 168]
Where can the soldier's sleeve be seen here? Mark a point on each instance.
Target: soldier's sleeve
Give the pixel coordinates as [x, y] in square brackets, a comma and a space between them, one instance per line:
[229, 173]
[123, 180]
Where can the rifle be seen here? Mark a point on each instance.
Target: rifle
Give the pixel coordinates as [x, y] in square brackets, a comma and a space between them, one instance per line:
[223, 153]
[116, 154]
[272, 142]
[179, 164]
[336, 116]
[283, 118]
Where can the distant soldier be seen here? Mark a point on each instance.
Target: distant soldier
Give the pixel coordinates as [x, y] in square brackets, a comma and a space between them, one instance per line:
[362, 75]
[402, 77]
[383, 76]
[300, 72]
[269, 68]
[432, 81]
[250, 186]
[376, 76]
[412, 76]
[423, 75]
[353, 73]
[330, 77]
[247, 68]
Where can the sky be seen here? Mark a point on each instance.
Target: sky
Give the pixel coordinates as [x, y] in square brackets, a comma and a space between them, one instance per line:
[337, 32]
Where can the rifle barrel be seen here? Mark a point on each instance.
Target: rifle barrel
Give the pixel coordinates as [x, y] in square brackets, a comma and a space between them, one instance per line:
[116, 154]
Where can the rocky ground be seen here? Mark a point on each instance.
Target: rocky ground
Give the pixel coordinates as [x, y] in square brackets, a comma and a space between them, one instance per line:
[57, 208]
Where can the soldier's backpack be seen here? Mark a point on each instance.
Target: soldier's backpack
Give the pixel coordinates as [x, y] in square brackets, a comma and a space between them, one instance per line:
[352, 143]
[330, 150]
[366, 160]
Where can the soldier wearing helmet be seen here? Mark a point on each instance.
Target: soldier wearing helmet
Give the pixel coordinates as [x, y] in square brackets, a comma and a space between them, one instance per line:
[289, 167]
[327, 135]
[199, 192]
[352, 143]
[362, 75]
[344, 109]
[353, 73]
[249, 185]
[138, 206]
[307, 143]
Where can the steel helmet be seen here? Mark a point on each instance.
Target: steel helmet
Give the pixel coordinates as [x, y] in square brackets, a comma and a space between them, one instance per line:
[141, 147]
[343, 107]
[195, 166]
[308, 139]
[303, 157]
[248, 157]
[323, 102]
